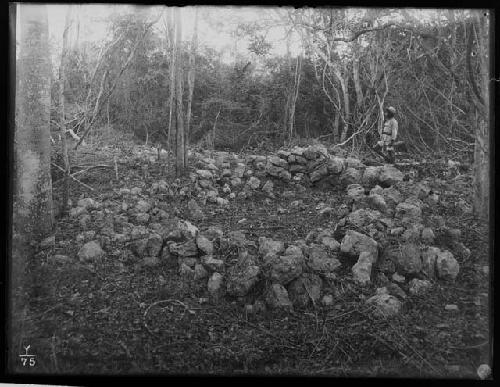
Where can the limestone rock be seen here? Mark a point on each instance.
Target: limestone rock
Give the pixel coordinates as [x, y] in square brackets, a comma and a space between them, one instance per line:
[320, 261]
[363, 217]
[241, 280]
[90, 251]
[362, 269]
[195, 210]
[284, 269]
[418, 287]
[199, 272]
[355, 243]
[253, 183]
[269, 246]
[205, 245]
[215, 285]
[186, 249]
[390, 175]
[305, 290]
[429, 257]
[277, 297]
[350, 176]
[143, 206]
[406, 257]
[385, 305]
[447, 266]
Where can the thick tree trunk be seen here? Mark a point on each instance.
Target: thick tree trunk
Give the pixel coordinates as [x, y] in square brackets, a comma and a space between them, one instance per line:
[32, 190]
[33, 184]
[482, 146]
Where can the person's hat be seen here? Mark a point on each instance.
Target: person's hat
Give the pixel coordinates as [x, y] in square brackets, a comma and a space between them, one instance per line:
[391, 109]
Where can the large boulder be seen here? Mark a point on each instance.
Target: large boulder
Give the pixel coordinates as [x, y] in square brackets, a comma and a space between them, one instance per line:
[241, 280]
[355, 243]
[447, 266]
[305, 290]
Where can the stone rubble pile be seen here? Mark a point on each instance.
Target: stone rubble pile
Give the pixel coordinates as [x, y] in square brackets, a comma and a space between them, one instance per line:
[382, 239]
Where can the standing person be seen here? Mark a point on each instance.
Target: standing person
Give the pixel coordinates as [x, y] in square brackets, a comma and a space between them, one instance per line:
[389, 134]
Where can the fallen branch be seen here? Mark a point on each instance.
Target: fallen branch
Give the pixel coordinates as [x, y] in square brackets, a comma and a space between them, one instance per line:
[73, 178]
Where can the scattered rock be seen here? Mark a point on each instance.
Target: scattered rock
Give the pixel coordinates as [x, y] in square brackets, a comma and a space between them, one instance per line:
[241, 280]
[305, 289]
[59, 259]
[186, 249]
[451, 307]
[214, 233]
[215, 285]
[277, 297]
[48, 243]
[269, 246]
[355, 243]
[389, 175]
[90, 251]
[199, 272]
[406, 257]
[330, 242]
[151, 261]
[418, 287]
[195, 211]
[396, 291]
[427, 236]
[204, 174]
[253, 183]
[268, 187]
[362, 269]
[447, 266]
[212, 263]
[385, 305]
[429, 257]
[396, 277]
[205, 245]
[484, 371]
[320, 261]
[363, 217]
[286, 268]
[327, 300]
[143, 206]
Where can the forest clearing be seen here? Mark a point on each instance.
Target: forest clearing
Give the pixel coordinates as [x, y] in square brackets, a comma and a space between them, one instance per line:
[182, 208]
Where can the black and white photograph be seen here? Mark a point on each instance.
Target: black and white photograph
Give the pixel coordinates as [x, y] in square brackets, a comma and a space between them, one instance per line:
[250, 191]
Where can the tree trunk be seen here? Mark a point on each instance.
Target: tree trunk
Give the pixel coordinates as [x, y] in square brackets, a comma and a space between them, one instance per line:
[180, 146]
[355, 76]
[481, 147]
[170, 37]
[32, 189]
[62, 84]
[191, 77]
